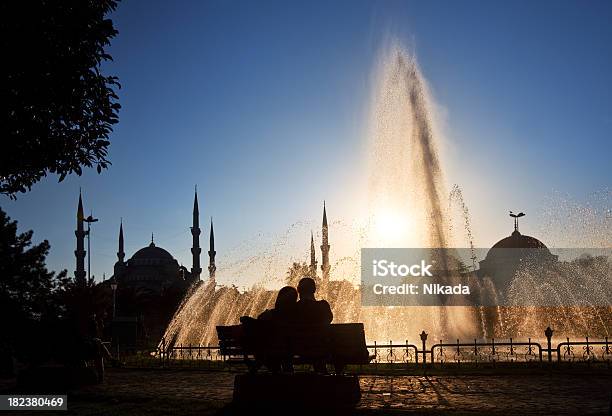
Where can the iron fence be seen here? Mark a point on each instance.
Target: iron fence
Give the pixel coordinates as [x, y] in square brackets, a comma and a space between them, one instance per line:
[477, 351]
[486, 352]
[588, 350]
[393, 353]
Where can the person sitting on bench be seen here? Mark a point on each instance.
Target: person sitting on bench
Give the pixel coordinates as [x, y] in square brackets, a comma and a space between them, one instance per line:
[308, 310]
[281, 317]
[283, 311]
[284, 307]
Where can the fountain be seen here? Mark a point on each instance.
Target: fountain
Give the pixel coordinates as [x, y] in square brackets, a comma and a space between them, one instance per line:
[408, 207]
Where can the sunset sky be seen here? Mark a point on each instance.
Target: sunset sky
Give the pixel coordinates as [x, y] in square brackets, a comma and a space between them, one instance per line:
[264, 105]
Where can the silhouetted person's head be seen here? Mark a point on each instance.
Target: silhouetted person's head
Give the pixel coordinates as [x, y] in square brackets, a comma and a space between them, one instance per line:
[287, 296]
[307, 288]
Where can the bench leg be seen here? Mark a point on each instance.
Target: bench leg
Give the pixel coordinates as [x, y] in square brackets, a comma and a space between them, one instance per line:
[339, 368]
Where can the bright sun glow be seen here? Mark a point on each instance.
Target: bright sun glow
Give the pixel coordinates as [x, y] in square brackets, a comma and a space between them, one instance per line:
[393, 229]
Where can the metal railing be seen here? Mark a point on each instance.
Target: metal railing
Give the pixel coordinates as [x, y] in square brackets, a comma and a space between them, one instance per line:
[394, 353]
[478, 351]
[565, 350]
[487, 351]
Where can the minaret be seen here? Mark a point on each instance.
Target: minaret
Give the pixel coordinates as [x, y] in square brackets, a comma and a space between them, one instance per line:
[195, 232]
[325, 248]
[120, 253]
[119, 265]
[79, 273]
[313, 257]
[212, 268]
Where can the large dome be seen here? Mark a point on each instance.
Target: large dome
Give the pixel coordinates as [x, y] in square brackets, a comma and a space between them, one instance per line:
[151, 255]
[518, 240]
[509, 254]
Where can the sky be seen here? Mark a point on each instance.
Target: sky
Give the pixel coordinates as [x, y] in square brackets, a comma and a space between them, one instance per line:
[264, 105]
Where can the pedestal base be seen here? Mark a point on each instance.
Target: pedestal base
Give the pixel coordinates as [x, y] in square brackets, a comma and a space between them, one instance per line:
[304, 390]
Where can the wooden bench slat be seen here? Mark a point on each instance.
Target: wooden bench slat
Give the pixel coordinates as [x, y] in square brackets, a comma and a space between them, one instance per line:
[336, 343]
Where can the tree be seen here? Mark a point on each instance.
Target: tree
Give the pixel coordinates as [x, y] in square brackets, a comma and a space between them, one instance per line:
[298, 271]
[27, 289]
[60, 108]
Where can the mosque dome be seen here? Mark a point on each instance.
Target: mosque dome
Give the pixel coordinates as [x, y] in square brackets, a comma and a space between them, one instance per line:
[506, 256]
[151, 255]
[518, 240]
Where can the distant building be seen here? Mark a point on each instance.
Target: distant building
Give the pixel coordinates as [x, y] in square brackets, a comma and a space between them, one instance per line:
[506, 256]
[151, 284]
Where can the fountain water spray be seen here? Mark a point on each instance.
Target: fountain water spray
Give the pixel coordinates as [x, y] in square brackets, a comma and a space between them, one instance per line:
[406, 187]
[406, 209]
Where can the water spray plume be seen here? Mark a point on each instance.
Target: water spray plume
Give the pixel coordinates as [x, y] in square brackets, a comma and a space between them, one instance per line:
[408, 207]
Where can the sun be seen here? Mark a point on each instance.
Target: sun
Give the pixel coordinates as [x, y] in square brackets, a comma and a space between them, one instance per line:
[392, 228]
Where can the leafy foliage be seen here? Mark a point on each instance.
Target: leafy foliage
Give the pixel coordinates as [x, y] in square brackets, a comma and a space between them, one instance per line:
[27, 289]
[298, 271]
[60, 108]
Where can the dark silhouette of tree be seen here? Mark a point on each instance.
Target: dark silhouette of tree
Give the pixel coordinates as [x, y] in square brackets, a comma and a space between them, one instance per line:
[27, 289]
[60, 108]
[79, 302]
[298, 271]
[29, 293]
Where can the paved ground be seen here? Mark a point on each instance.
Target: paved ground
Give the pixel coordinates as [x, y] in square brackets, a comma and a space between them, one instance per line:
[515, 394]
[192, 392]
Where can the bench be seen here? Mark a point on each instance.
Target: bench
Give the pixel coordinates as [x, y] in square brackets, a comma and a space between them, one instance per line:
[260, 342]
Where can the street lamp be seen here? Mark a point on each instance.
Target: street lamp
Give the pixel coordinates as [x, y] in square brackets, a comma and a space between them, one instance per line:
[113, 285]
[89, 220]
[423, 336]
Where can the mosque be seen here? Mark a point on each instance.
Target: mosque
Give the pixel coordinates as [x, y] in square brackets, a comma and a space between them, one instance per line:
[151, 284]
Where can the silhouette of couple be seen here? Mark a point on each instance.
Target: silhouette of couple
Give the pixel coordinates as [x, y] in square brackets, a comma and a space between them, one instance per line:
[291, 315]
[305, 311]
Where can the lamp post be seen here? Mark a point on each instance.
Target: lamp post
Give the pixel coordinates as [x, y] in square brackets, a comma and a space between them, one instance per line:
[113, 286]
[423, 336]
[549, 333]
[89, 220]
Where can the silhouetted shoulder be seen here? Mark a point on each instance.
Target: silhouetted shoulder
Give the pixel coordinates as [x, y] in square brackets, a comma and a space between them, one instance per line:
[326, 313]
[266, 315]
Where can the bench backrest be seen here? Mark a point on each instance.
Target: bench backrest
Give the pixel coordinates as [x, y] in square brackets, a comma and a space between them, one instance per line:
[231, 339]
[342, 341]
[348, 341]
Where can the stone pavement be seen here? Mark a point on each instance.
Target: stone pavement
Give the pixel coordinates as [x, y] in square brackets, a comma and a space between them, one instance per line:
[195, 392]
[508, 394]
